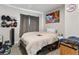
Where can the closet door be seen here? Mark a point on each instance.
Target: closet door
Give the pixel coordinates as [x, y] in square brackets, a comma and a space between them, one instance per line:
[34, 23]
[24, 24]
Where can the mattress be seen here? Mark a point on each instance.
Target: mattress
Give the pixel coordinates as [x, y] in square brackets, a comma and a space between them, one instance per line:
[34, 41]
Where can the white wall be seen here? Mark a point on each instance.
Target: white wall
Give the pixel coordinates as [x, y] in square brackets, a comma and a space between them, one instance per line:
[61, 24]
[69, 21]
[72, 22]
[5, 10]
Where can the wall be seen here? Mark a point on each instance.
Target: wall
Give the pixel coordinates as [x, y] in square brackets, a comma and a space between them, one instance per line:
[61, 25]
[72, 22]
[69, 21]
[6, 10]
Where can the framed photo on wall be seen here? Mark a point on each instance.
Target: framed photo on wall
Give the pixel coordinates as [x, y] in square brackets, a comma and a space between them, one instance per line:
[53, 17]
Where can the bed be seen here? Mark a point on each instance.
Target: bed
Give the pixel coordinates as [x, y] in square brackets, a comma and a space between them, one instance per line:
[35, 41]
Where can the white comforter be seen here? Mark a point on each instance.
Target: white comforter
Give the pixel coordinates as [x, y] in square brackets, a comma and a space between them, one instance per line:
[34, 42]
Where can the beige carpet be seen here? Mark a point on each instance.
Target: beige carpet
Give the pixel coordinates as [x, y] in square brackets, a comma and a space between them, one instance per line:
[16, 51]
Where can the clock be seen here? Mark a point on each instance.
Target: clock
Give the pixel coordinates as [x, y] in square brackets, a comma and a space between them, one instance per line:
[71, 7]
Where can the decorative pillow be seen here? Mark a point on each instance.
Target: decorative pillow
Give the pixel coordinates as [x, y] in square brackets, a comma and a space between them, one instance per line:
[51, 30]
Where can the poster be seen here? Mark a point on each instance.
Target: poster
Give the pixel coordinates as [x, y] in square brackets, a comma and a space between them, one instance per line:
[53, 17]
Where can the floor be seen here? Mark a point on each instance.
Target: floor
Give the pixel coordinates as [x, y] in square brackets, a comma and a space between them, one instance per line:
[15, 50]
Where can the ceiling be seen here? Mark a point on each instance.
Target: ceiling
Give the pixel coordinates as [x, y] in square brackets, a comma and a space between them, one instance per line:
[38, 7]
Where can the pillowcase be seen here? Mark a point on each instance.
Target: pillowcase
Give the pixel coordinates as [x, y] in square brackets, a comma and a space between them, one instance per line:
[51, 30]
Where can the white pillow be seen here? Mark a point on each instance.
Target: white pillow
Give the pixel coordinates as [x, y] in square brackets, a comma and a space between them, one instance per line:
[51, 30]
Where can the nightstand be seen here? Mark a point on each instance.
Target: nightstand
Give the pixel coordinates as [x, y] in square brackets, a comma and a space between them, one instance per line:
[67, 48]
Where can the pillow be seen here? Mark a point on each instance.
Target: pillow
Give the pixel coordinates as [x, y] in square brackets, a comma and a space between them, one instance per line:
[51, 30]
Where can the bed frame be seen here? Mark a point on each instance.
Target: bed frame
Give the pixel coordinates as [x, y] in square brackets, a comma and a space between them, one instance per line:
[47, 48]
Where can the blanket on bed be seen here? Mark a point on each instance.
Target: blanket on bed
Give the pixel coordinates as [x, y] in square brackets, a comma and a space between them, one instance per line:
[36, 40]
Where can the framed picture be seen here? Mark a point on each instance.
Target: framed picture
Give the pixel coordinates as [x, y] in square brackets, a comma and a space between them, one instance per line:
[53, 17]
